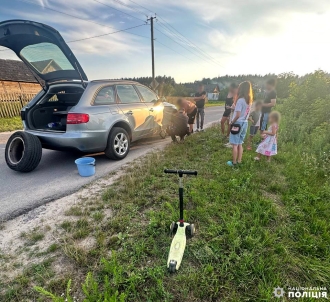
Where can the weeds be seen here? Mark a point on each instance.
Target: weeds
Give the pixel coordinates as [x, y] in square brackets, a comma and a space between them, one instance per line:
[32, 237]
[10, 124]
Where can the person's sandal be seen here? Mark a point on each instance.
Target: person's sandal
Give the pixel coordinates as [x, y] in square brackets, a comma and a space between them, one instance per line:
[257, 158]
[231, 164]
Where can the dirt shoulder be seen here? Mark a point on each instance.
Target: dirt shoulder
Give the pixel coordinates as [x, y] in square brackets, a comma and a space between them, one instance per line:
[32, 241]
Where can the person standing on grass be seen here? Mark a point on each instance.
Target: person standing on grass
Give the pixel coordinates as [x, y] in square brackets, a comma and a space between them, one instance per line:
[190, 110]
[199, 99]
[240, 118]
[255, 122]
[228, 109]
[268, 147]
[268, 104]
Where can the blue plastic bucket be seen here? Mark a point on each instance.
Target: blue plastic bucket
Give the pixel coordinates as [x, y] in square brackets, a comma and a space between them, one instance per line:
[86, 166]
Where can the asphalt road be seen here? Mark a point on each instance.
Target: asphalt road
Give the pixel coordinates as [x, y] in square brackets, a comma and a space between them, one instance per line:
[57, 175]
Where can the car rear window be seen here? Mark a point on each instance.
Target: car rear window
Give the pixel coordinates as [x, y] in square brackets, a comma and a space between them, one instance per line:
[46, 58]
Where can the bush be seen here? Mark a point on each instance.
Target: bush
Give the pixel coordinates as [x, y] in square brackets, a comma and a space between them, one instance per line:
[305, 113]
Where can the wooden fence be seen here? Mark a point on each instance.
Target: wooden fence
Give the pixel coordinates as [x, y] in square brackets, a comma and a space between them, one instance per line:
[12, 103]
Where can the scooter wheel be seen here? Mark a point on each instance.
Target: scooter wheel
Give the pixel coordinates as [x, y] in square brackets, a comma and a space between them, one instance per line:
[173, 228]
[190, 230]
[172, 266]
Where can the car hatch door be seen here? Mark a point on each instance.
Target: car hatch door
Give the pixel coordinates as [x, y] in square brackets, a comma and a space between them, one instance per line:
[42, 49]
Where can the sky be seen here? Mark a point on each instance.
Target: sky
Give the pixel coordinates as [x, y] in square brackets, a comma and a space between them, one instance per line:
[193, 39]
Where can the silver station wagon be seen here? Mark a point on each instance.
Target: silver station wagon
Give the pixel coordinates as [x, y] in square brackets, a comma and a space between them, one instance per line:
[71, 112]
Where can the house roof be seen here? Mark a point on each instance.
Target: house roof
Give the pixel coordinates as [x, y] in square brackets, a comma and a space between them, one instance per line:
[15, 71]
[42, 66]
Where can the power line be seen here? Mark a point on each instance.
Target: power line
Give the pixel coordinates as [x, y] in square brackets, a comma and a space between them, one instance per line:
[142, 6]
[172, 34]
[187, 43]
[73, 16]
[174, 50]
[92, 37]
[133, 8]
[187, 40]
[197, 47]
[117, 10]
[114, 32]
[182, 45]
[167, 29]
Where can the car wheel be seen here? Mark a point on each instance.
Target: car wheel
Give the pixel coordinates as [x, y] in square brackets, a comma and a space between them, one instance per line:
[118, 144]
[23, 152]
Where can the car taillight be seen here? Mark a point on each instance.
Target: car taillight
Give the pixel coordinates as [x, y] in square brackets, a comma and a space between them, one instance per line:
[77, 118]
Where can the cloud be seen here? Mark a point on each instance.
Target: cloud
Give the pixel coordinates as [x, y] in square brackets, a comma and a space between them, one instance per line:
[239, 16]
[74, 29]
[255, 36]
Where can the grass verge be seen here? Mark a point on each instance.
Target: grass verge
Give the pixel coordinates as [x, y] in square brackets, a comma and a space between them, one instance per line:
[258, 227]
[10, 124]
[214, 103]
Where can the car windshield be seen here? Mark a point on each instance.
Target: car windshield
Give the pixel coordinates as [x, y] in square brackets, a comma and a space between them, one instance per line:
[46, 58]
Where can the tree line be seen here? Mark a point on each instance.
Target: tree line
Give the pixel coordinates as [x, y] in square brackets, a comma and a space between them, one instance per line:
[169, 87]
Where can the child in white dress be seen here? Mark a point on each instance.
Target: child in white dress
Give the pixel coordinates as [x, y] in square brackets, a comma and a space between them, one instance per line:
[268, 147]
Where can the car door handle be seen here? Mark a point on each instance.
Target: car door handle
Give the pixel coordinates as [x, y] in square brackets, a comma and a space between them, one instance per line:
[151, 109]
[129, 112]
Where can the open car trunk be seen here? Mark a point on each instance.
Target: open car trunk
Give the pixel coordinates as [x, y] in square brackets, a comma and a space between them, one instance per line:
[50, 113]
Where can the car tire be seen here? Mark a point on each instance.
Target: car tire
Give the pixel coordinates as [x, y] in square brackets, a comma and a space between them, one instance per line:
[118, 144]
[23, 152]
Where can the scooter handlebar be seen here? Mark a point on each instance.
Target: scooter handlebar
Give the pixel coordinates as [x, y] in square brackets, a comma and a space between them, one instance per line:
[180, 172]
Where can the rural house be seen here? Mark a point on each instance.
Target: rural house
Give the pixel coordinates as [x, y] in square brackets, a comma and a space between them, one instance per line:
[15, 77]
[212, 90]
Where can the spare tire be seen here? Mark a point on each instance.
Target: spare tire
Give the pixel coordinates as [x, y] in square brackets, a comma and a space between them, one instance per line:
[23, 152]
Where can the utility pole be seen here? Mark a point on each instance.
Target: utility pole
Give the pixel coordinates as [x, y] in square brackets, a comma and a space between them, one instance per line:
[151, 19]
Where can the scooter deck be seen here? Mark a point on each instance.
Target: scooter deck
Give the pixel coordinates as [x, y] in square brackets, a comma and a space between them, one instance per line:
[178, 245]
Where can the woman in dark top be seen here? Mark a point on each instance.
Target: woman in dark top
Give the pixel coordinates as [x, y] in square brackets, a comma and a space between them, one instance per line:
[231, 97]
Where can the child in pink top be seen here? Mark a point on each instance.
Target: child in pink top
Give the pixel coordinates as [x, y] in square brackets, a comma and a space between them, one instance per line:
[268, 147]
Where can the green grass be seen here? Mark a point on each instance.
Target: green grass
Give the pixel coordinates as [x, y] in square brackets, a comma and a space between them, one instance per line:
[32, 237]
[258, 227]
[214, 103]
[10, 124]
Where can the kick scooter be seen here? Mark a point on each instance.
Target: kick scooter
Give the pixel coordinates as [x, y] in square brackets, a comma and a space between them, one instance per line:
[181, 230]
